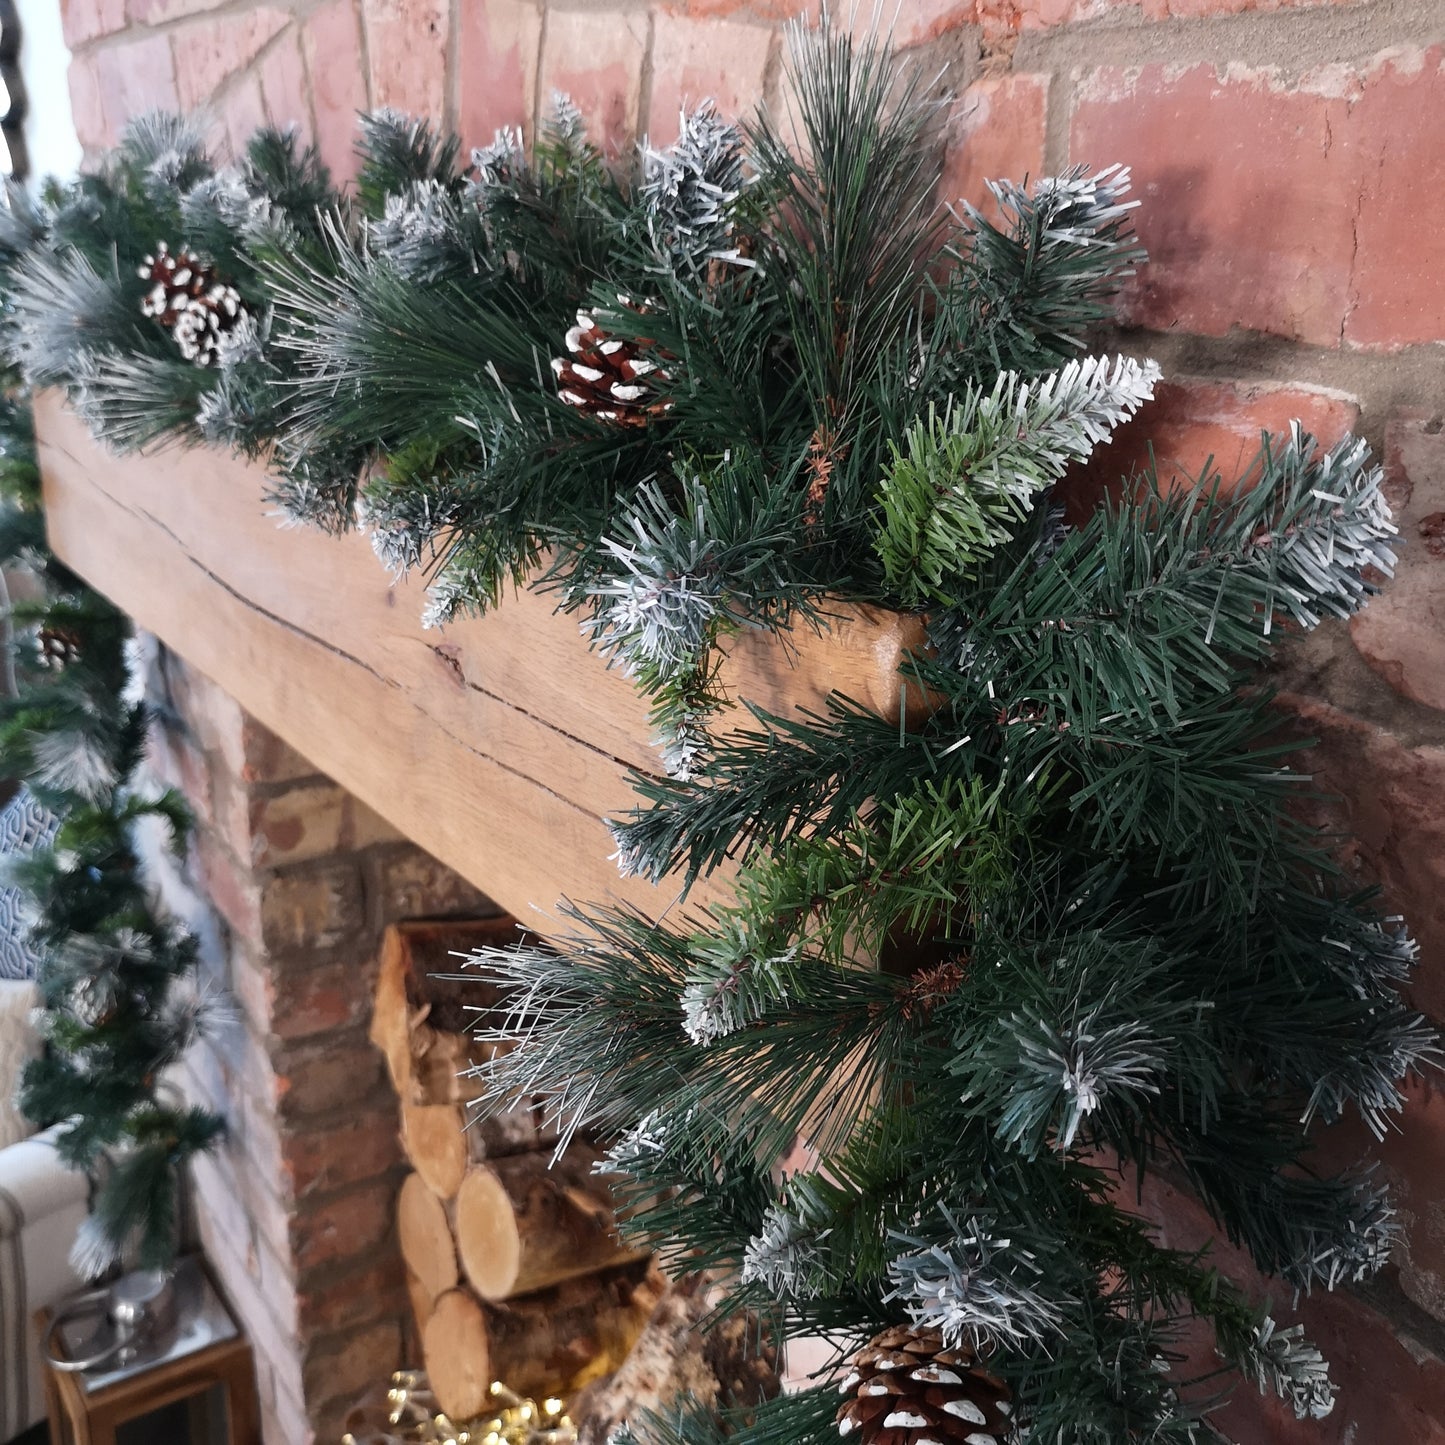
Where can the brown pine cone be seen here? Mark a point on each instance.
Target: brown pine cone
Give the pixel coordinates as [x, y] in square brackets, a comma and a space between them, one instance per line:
[905, 1388]
[57, 647]
[190, 300]
[610, 377]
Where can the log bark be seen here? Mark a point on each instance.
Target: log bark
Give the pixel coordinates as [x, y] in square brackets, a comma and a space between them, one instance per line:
[425, 1234]
[558, 1340]
[550, 1343]
[720, 1368]
[523, 1226]
[424, 1016]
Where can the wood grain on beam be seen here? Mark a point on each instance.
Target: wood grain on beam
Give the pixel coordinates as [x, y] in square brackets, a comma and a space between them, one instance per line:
[498, 744]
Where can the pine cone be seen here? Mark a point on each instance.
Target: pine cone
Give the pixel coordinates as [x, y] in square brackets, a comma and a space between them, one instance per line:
[190, 300]
[906, 1389]
[610, 377]
[57, 647]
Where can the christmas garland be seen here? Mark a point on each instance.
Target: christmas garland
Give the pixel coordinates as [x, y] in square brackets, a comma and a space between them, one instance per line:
[1062, 933]
[116, 979]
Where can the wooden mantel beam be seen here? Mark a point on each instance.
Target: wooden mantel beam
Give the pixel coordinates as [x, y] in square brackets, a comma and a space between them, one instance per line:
[499, 745]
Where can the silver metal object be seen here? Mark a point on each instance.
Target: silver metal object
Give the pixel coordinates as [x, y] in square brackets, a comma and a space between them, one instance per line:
[139, 1306]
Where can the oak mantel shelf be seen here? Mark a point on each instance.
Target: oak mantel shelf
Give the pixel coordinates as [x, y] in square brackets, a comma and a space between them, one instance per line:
[499, 744]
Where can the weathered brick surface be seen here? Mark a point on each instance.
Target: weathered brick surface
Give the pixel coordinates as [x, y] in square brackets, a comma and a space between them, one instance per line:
[358, 1358]
[404, 882]
[312, 908]
[157, 12]
[283, 84]
[1392, 1386]
[596, 59]
[995, 132]
[497, 67]
[295, 1208]
[1388, 794]
[1193, 423]
[337, 1153]
[331, 43]
[1401, 634]
[1274, 206]
[209, 53]
[133, 77]
[303, 822]
[83, 20]
[693, 60]
[406, 43]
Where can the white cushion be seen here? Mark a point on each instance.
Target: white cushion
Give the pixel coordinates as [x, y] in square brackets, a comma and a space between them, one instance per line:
[19, 1043]
[42, 1206]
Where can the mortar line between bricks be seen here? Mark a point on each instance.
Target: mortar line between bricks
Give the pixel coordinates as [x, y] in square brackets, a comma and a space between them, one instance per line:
[1292, 41]
[135, 30]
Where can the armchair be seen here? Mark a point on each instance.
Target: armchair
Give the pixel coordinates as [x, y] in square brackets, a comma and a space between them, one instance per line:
[42, 1205]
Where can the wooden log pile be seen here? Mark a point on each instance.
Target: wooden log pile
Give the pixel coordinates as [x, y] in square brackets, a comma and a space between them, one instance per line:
[515, 1266]
[516, 1269]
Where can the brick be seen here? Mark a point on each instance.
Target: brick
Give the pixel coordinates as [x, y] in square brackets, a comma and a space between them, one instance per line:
[308, 1001]
[1192, 420]
[209, 52]
[347, 1227]
[312, 909]
[84, 20]
[1398, 291]
[87, 108]
[323, 1076]
[406, 41]
[406, 883]
[331, 43]
[134, 78]
[1021, 15]
[333, 1156]
[693, 60]
[1401, 633]
[354, 1361]
[304, 822]
[596, 59]
[1274, 207]
[174, 761]
[1391, 1386]
[241, 113]
[915, 23]
[213, 716]
[1386, 798]
[1197, 9]
[995, 132]
[497, 45]
[1413, 1156]
[372, 1289]
[230, 887]
[154, 12]
[283, 84]
[761, 9]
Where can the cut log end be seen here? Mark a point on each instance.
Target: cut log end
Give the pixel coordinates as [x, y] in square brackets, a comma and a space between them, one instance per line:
[426, 1238]
[488, 1240]
[435, 1141]
[457, 1352]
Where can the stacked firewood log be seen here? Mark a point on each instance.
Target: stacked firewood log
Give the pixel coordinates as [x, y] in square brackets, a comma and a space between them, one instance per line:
[514, 1262]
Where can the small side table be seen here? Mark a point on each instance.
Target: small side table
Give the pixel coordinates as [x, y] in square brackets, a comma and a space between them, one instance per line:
[194, 1385]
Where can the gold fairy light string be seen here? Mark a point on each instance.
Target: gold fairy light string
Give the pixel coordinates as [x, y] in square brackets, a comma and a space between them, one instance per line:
[414, 1418]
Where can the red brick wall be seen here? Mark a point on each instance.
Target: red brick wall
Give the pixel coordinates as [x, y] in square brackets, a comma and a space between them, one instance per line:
[1289, 154]
[289, 882]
